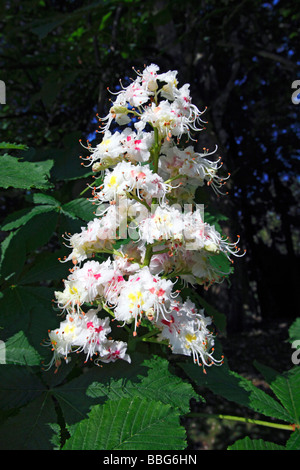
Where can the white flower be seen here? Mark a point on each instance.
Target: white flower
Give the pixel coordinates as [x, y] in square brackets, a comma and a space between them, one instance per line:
[171, 119]
[99, 235]
[78, 331]
[187, 333]
[149, 77]
[86, 333]
[85, 284]
[144, 295]
[137, 145]
[93, 336]
[126, 178]
[196, 166]
[164, 224]
[168, 90]
[136, 94]
[139, 164]
[114, 350]
[109, 150]
[164, 118]
[72, 296]
[115, 147]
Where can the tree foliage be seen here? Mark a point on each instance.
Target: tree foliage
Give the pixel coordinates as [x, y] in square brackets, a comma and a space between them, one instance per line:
[57, 59]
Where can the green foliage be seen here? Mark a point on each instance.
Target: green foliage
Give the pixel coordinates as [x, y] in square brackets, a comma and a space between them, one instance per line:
[129, 424]
[136, 406]
[39, 408]
[284, 405]
[294, 331]
[159, 384]
[50, 103]
[24, 175]
[254, 444]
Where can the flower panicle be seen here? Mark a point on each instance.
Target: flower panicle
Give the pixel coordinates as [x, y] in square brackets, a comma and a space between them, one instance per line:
[149, 164]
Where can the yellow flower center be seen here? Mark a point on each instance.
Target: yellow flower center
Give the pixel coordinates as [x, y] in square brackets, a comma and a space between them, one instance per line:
[112, 181]
[190, 337]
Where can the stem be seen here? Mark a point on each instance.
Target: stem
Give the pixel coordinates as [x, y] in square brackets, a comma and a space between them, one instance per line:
[175, 178]
[148, 255]
[86, 189]
[286, 427]
[133, 196]
[153, 340]
[156, 150]
[148, 335]
[111, 252]
[166, 250]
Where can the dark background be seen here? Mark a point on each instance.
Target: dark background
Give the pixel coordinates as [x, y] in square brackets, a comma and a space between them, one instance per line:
[240, 57]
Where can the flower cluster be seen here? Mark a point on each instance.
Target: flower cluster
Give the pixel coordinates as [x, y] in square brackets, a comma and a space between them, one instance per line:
[148, 166]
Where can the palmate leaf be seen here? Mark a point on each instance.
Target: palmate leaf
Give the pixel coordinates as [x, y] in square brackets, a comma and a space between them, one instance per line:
[18, 386]
[285, 406]
[28, 430]
[27, 309]
[46, 267]
[159, 384]
[12, 146]
[72, 396]
[33, 234]
[24, 175]
[255, 444]
[19, 218]
[294, 331]
[286, 387]
[293, 442]
[233, 387]
[81, 207]
[129, 424]
[19, 351]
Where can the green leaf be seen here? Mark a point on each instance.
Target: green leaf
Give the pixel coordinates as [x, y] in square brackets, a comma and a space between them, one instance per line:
[293, 442]
[160, 384]
[24, 175]
[221, 263]
[72, 396]
[40, 198]
[33, 234]
[19, 351]
[104, 20]
[46, 267]
[43, 27]
[233, 387]
[81, 207]
[19, 218]
[31, 307]
[294, 331]
[18, 386]
[286, 387]
[129, 424]
[254, 444]
[29, 429]
[56, 438]
[67, 164]
[13, 256]
[12, 146]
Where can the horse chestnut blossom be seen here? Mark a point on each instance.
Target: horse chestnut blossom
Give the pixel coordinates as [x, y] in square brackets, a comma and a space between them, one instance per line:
[149, 170]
